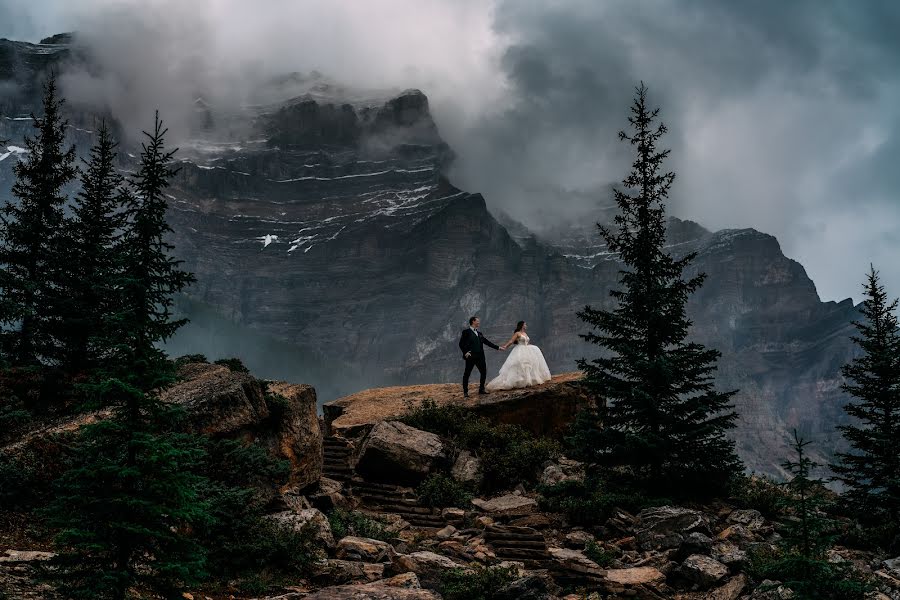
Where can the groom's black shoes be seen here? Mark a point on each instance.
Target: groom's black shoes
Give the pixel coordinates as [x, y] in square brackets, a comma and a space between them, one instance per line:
[482, 392]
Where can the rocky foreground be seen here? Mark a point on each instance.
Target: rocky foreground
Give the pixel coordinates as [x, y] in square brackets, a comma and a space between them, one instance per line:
[368, 462]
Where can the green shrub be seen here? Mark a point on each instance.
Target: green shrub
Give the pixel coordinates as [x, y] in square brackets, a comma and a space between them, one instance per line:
[277, 404]
[592, 502]
[350, 522]
[759, 492]
[509, 454]
[235, 365]
[446, 421]
[599, 554]
[808, 578]
[240, 480]
[190, 358]
[480, 583]
[441, 491]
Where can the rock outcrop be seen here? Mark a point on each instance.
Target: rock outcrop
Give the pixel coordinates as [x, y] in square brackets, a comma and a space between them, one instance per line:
[399, 453]
[544, 410]
[221, 402]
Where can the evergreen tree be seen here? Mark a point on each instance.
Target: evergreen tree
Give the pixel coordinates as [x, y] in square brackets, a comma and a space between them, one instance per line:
[31, 252]
[149, 275]
[663, 421]
[808, 532]
[800, 561]
[871, 471]
[131, 497]
[90, 272]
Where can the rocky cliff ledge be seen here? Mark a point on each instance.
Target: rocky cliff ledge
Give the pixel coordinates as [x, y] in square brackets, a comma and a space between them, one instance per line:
[543, 410]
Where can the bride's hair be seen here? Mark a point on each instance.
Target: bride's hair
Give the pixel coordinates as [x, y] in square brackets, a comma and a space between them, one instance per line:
[519, 326]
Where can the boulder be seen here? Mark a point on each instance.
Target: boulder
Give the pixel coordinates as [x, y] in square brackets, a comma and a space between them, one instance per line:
[398, 453]
[578, 539]
[223, 403]
[574, 561]
[749, 518]
[297, 436]
[453, 515]
[388, 589]
[338, 572]
[562, 470]
[510, 505]
[364, 549]
[327, 495]
[772, 590]
[665, 527]
[218, 400]
[529, 587]
[706, 572]
[635, 576]
[695, 543]
[427, 565]
[729, 554]
[309, 517]
[467, 468]
[731, 590]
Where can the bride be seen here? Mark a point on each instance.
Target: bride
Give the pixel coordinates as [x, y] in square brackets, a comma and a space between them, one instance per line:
[525, 365]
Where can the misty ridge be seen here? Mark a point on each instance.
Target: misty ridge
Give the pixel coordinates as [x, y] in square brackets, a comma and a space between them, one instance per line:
[308, 208]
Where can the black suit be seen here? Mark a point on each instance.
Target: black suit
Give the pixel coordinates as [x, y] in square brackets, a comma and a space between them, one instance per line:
[470, 342]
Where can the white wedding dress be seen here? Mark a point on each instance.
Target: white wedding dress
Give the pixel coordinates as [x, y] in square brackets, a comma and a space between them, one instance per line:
[525, 366]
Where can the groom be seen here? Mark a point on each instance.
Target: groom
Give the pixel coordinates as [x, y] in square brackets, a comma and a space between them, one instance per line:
[472, 344]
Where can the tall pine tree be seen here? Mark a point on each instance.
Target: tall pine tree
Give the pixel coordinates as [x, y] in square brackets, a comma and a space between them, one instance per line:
[149, 273]
[127, 505]
[871, 471]
[663, 422]
[90, 273]
[31, 251]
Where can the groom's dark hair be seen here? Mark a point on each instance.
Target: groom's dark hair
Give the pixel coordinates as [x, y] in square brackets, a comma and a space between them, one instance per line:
[472, 320]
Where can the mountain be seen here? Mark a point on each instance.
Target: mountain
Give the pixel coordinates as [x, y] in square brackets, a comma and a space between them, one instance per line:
[324, 225]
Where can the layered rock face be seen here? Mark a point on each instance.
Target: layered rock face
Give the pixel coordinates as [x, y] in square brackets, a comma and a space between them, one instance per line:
[327, 227]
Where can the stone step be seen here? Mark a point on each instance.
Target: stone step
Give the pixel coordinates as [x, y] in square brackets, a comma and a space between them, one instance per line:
[335, 440]
[411, 509]
[385, 499]
[518, 544]
[335, 461]
[515, 553]
[361, 484]
[510, 538]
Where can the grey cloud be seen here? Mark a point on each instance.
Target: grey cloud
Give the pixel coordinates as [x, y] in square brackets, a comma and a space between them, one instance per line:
[783, 116]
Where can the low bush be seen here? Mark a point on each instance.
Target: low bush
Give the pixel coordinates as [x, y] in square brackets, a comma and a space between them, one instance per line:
[480, 583]
[190, 358]
[441, 491]
[509, 454]
[591, 502]
[599, 554]
[235, 364]
[350, 522]
[808, 578]
[759, 492]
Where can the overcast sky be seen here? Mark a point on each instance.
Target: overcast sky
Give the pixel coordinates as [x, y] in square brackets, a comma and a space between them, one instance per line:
[783, 115]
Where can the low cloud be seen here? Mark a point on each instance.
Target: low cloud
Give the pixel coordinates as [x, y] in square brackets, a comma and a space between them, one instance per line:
[783, 116]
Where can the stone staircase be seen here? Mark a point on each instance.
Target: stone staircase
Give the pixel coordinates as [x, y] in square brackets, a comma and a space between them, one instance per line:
[522, 544]
[377, 497]
[527, 545]
[397, 500]
[337, 459]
